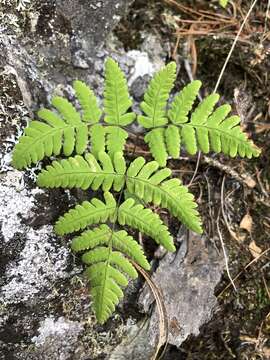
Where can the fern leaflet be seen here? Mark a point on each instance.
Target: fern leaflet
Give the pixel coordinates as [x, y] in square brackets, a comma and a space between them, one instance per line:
[183, 102]
[205, 129]
[91, 113]
[86, 214]
[116, 97]
[143, 180]
[156, 96]
[104, 248]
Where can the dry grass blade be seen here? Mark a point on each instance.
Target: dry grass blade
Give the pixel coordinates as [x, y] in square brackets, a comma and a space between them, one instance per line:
[163, 319]
[206, 14]
[234, 44]
[225, 255]
[241, 272]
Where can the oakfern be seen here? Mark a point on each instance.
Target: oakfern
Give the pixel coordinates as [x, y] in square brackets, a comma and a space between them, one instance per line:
[94, 144]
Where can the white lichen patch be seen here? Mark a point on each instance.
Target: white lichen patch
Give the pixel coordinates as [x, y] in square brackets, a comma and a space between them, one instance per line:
[142, 65]
[40, 264]
[57, 338]
[15, 203]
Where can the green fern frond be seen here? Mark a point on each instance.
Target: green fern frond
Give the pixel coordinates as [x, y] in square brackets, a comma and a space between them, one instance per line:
[157, 144]
[202, 129]
[156, 96]
[120, 240]
[105, 288]
[66, 133]
[106, 278]
[116, 96]
[183, 102]
[216, 132]
[145, 221]
[86, 214]
[149, 184]
[109, 253]
[141, 179]
[103, 249]
[84, 172]
[42, 139]
[115, 140]
[91, 112]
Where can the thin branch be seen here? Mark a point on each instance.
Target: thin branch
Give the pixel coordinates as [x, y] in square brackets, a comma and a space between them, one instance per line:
[163, 318]
[233, 45]
[225, 255]
[245, 268]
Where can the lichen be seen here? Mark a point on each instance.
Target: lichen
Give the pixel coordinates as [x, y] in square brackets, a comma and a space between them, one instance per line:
[57, 337]
[40, 264]
[16, 203]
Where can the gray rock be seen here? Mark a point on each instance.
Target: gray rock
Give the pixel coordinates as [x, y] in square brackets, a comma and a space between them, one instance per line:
[92, 20]
[56, 338]
[187, 285]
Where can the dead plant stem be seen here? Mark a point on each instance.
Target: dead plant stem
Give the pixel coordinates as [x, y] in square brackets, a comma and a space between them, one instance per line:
[233, 45]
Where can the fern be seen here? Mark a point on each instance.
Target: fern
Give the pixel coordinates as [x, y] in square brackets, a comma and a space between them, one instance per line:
[143, 180]
[104, 247]
[156, 96]
[91, 113]
[203, 129]
[93, 140]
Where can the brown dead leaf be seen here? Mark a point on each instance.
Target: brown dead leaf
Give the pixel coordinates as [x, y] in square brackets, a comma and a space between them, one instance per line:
[246, 223]
[266, 352]
[249, 181]
[254, 249]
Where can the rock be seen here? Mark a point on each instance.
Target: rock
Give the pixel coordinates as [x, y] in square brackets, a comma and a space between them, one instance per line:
[94, 20]
[187, 284]
[57, 337]
[16, 60]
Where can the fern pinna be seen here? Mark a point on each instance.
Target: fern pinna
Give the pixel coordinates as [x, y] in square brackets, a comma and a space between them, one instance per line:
[93, 140]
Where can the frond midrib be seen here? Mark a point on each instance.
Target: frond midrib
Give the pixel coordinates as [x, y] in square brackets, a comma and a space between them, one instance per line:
[155, 105]
[78, 171]
[101, 303]
[117, 105]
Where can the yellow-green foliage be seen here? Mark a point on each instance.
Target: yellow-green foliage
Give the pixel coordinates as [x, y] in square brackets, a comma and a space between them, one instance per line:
[223, 3]
[93, 141]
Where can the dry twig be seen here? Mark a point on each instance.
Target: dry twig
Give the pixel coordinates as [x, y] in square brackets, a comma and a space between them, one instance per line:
[242, 271]
[163, 319]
